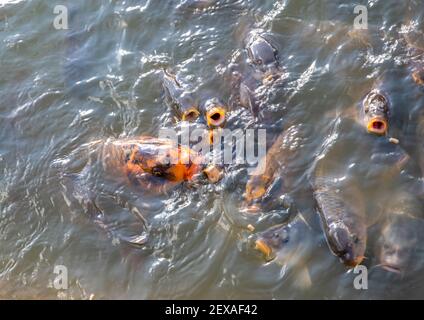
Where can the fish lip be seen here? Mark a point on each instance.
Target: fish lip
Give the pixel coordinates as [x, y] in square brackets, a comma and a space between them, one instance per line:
[352, 263]
[378, 126]
[213, 112]
[391, 268]
[190, 115]
[265, 249]
[345, 251]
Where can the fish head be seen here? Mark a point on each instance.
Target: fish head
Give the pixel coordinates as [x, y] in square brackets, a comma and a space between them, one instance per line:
[375, 110]
[397, 243]
[180, 98]
[281, 240]
[262, 54]
[215, 113]
[185, 108]
[347, 245]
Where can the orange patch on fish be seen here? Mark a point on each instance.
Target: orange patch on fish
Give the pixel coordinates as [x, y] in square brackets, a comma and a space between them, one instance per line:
[355, 262]
[174, 163]
[263, 247]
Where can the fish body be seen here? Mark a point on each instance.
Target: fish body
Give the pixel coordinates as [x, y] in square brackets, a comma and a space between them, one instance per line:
[276, 163]
[342, 211]
[155, 165]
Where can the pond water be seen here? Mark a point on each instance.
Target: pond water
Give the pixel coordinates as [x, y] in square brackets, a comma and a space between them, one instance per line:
[60, 90]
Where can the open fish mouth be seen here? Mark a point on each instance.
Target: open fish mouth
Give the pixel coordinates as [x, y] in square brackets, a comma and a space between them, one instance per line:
[216, 117]
[190, 115]
[391, 268]
[377, 126]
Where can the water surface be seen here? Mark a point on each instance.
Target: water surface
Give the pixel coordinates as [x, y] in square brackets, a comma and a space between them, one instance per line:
[62, 89]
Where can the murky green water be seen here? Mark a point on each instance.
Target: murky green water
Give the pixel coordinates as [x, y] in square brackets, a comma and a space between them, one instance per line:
[61, 89]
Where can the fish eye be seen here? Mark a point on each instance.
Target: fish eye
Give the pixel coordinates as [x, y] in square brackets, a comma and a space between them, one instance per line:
[355, 239]
[258, 61]
[283, 237]
[367, 108]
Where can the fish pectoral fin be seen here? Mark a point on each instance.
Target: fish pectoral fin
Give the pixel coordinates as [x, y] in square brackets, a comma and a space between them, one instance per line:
[303, 280]
[136, 240]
